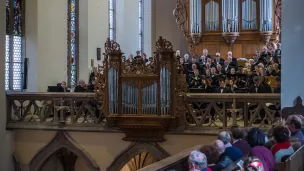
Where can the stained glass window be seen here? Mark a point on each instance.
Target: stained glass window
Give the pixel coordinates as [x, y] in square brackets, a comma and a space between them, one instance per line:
[72, 42]
[141, 25]
[112, 6]
[14, 44]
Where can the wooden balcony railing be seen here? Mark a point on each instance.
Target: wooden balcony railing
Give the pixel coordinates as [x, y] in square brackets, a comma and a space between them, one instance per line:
[204, 111]
[223, 111]
[46, 110]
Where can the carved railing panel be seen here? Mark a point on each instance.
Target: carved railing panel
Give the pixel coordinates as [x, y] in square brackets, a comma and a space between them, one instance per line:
[231, 110]
[53, 108]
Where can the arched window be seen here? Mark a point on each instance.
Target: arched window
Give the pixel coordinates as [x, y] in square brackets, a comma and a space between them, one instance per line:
[14, 51]
[112, 19]
[141, 25]
[73, 42]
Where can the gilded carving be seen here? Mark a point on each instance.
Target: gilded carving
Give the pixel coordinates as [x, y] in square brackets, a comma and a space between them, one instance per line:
[278, 19]
[163, 45]
[111, 45]
[138, 66]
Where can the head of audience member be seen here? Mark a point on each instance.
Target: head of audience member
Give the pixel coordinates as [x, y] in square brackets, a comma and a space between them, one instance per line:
[222, 84]
[232, 71]
[265, 49]
[261, 71]
[278, 81]
[205, 52]
[177, 53]
[253, 164]
[219, 145]
[245, 71]
[225, 137]
[229, 54]
[226, 62]
[63, 84]
[213, 71]
[276, 67]
[193, 60]
[196, 72]
[203, 58]
[238, 134]
[256, 137]
[219, 67]
[293, 123]
[211, 153]
[144, 56]
[197, 161]
[208, 73]
[130, 57]
[82, 83]
[279, 46]
[186, 57]
[194, 66]
[229, 58]
[181, 60]
[256, 81]
[281, 134]
[208, 65]
[217, 55]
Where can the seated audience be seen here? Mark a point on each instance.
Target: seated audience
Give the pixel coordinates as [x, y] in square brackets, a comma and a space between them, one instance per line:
[256, 139]
[238, 135]
[212, 155]
[283, 146]
[81, 86]
[63, 87]
[253, 164]
[198, 161]
[294, 124]
[223, 160]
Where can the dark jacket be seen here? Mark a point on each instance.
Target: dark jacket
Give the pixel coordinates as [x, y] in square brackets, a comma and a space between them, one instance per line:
[243, 146]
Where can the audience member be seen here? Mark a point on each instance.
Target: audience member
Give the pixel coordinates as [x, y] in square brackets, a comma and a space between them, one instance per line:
[223, 160]
[253, 164]
[212, 155]
[294, 124]
[198, 161]
[256, 139]
[232, 152]
[225, 138]
[238, 135]
[81, 87]
[283, 146]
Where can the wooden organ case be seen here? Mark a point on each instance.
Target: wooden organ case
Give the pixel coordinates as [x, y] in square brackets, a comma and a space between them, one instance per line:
[142, 99]
[240, 26]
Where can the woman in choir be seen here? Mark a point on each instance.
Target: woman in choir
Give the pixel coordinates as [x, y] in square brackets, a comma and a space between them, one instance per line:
[276, 71]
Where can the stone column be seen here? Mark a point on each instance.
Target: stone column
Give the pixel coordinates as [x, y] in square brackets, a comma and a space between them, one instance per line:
[6, 137]
[292, 51]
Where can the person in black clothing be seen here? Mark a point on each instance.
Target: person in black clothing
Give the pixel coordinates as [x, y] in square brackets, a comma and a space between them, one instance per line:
[277, 52]
[81, 87]
[93, 75]
[205, 53]
[257, 87]
[218, 60]
[278, 87]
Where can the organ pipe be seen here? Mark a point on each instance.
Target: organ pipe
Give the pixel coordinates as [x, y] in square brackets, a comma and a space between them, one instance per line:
[265, 15]
[212, 15]
[195, 16]
[249, 15]
[230, 15]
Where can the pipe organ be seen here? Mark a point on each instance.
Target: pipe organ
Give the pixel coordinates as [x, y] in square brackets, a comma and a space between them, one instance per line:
[146, 98]
[240, 26]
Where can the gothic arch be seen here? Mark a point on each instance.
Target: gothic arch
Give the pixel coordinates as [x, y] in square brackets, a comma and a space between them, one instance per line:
[134, 149]
[62, 140]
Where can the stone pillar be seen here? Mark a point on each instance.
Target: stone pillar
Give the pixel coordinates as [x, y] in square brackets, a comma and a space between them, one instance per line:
[292, 52]
[46, 43]
[6, 137]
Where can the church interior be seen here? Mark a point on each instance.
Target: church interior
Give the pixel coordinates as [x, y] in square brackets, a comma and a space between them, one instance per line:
[151, 85]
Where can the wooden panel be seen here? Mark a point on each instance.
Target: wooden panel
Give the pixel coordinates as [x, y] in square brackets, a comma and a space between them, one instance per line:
[224, 50]
[237, 50]
[212, 49]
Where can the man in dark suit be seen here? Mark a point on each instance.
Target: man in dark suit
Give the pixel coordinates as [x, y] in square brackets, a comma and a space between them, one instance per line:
[217, 60]
[257, 87]
[232, 61]
[277, 52]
